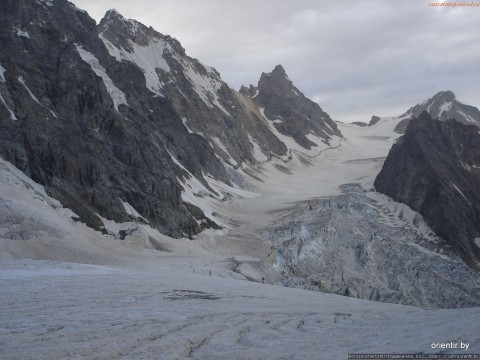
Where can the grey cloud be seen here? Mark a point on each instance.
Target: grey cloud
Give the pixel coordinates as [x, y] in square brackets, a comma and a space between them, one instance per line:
[356, 58]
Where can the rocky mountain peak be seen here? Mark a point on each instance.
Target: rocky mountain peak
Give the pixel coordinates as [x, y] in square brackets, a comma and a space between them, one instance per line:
[444, 95]
[291, 113]
[442, 106]
[279, 71]
[278, 82]
[124, 33]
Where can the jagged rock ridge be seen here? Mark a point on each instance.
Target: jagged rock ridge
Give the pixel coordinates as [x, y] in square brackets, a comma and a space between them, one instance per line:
[435, 169]
[292, 113]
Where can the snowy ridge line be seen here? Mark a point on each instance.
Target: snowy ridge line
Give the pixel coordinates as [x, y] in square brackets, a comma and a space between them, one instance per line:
[117, 95]
[206, 87]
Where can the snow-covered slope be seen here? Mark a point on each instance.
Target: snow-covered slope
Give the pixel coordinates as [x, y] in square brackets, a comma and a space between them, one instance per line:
[177, 310]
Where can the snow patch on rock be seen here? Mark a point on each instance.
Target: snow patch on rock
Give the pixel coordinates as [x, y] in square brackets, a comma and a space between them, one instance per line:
[22, 81]
[21, 33]
[12, 114]
[149, 58]
[117, 95]
[2, 73]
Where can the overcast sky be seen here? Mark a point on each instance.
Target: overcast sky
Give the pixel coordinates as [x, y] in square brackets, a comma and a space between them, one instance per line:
[355, 58]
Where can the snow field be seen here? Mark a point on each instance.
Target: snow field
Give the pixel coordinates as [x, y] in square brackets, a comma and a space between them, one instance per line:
[166, 312]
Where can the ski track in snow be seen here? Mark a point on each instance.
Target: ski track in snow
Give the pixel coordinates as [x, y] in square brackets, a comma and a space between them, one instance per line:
[132, 302]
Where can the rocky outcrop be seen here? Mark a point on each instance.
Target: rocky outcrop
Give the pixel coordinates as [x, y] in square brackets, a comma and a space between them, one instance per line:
[435, 169]
[291, 112]
[375, 119]
[443, 106]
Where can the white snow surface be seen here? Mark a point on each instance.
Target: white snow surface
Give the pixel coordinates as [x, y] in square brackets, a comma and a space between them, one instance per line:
[12, 114]
[70, 292]
[149, 58]
[174, 310]
[195, 193]
[460, 192]
[22, 33]
[258, 153]
[477, 241]
[22, 81]
[2, 72]
[46, 2]
[222, 147]
[445, 107]
[184, 120]
[117, 95]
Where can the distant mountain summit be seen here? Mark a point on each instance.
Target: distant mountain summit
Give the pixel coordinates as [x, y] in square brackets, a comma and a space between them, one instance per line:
[442, 106]
[291, 112]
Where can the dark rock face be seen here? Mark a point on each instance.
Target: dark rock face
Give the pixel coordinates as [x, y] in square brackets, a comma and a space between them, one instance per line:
[293, 113]
[443, 106]
[374, 120]
[435, 169]
[91, 149]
